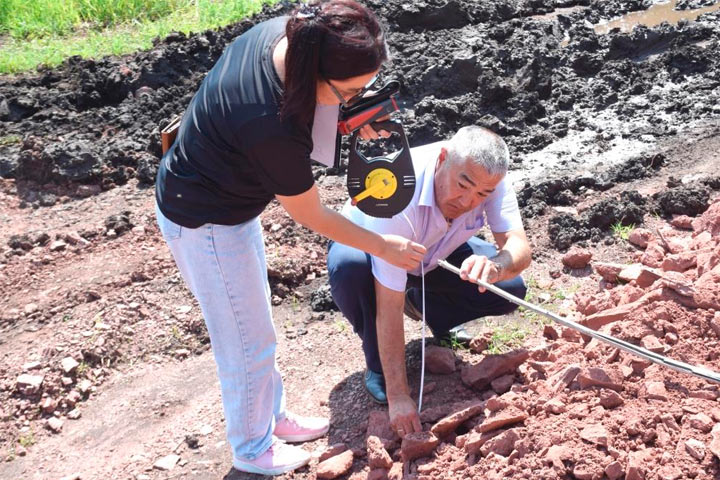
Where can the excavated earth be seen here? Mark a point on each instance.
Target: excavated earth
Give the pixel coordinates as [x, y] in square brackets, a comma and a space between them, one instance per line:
[105, 365]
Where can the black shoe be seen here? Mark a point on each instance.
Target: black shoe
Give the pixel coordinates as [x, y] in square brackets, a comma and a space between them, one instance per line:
[375, 386]
[453, 337]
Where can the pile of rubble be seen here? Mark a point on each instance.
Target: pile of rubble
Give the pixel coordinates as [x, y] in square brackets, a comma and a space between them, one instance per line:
[573, 407]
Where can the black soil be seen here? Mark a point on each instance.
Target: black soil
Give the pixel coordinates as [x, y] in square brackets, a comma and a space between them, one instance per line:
[531, 77]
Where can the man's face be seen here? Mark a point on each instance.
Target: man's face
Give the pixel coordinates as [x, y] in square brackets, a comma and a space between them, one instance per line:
[461, 185]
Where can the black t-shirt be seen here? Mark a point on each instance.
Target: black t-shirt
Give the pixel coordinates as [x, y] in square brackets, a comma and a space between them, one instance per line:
[233, 154]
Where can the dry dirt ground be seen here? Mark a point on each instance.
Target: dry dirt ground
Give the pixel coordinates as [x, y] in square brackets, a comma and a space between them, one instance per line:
[105, 366]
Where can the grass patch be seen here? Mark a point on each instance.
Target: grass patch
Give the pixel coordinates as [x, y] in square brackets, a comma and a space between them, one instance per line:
[46, 32]
[506, 337]
[10, 140]
[621, 231]
[27, 439]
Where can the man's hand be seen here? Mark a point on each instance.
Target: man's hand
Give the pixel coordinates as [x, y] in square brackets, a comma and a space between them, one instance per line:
[479, 267]
[404, 417]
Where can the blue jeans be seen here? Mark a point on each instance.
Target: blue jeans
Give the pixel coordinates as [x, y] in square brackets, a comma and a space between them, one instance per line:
[449, 300]
[224, 267]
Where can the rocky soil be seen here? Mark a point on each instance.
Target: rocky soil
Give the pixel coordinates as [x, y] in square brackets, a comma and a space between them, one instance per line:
[103, 350]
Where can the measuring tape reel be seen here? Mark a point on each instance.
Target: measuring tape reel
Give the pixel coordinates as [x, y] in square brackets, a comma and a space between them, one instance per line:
[381, 186]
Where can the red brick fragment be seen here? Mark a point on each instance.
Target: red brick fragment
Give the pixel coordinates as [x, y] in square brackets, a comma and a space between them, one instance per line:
[480, 375]
[577, 257]
[417, 445]
[450, 423]
[439, 360]
[503, 418]
[599, 377]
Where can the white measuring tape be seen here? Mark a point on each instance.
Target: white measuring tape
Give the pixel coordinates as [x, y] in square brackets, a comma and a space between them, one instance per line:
[677, 365]
[422, 348]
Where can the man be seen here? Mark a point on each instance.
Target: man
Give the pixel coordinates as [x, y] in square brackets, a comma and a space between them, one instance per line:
[461, 186]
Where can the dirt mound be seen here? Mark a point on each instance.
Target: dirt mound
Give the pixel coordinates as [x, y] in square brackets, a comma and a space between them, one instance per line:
[499, 64]
[583, 409]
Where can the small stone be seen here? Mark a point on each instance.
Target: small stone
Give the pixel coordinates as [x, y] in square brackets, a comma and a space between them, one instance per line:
[502, 444]
[31, 366]
[695, 448]
[335, 466]
[479, 376]
[480, 343]
[503, 418]
[74, 414]
[167, 462]
[85, 386]
[599, 377]
[31, 308]
[577, 258]
[69, 364]
[701, 422]
[55, 424]
[610, 399]
[642, 275]
[562, 379]
[379, 425]
[58, 246]
[715, 442]
[450, 423]
[48, 405]
[555, 406]
[596, 434]
[377, 456]
[640, 237]
[417, 445]
[439, 360]
[502, 384]
[29, 384]
[615, 470]
[656, 390]
[550, 332]
[651, 342]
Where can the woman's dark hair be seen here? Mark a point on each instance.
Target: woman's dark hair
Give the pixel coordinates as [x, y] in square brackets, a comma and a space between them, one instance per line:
[331, 39]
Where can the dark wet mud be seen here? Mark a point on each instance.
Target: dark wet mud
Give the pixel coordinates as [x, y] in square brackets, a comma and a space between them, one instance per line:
[536, 72]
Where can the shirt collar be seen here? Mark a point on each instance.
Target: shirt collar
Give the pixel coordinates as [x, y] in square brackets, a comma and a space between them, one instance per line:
[427, 192]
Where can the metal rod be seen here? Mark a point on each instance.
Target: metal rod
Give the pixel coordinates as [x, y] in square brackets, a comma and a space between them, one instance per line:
[677, 365]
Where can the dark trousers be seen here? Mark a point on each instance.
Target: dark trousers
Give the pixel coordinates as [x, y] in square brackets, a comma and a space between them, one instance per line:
[449, 300]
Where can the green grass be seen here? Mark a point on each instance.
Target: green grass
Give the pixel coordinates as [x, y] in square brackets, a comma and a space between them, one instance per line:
[27, 439]
[508, 336]
[621, 231]
[46, 32]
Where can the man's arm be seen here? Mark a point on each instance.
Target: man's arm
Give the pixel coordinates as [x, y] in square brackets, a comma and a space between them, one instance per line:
[513, 257]
[391, 344]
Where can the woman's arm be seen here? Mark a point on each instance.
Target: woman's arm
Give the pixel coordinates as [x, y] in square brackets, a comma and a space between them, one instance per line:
[307, 210]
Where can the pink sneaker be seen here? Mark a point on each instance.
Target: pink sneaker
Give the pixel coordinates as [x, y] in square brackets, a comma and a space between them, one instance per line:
[278, 459]
[294, 428]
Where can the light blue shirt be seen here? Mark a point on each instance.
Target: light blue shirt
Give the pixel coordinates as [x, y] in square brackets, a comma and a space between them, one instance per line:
[423, 222]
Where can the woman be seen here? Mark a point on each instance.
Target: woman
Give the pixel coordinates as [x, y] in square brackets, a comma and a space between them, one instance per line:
[245, 139]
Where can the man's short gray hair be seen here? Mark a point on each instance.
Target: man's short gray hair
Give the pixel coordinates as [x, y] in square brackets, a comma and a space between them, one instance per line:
[482, 146]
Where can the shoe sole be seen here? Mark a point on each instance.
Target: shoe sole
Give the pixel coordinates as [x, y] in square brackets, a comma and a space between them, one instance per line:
[246, 467]
[304, 438]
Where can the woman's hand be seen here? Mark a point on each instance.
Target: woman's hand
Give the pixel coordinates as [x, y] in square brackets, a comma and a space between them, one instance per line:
[367, 132]
[402, 252]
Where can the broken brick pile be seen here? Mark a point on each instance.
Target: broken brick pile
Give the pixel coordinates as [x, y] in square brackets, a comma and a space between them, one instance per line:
[573, 407]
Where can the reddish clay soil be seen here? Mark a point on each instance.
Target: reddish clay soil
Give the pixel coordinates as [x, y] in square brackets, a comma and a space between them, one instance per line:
[105, 365]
